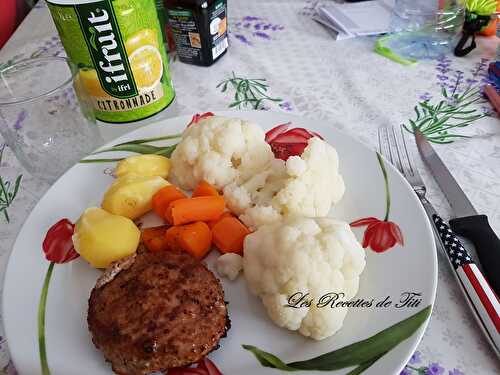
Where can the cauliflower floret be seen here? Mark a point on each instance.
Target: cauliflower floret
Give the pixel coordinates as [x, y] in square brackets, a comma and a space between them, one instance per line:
[256, 216]
[258, 190]
[229, 265]
[304, 185]
[219, 150]
[313, 182]
[315, 256]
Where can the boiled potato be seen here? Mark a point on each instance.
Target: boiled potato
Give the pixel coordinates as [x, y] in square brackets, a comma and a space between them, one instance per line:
[101, 238]
[131, 195]
[144, 165]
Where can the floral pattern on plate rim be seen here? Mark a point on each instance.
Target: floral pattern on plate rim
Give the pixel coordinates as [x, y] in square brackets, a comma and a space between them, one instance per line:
[381, 235]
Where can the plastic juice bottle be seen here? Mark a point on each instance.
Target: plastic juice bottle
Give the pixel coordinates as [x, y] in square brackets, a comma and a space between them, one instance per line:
[199, 28]
[121, 58]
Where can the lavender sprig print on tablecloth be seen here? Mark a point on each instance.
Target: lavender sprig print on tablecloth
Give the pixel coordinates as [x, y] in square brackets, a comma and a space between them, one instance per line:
[249, 29]
[460, 103]
[51, 47]
[66, 99]
[18, 124]
[434, 368]
[248, 92]
[8, 190]
[286, 106]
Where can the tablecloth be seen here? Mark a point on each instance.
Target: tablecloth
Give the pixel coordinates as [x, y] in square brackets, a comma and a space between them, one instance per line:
[308, 73]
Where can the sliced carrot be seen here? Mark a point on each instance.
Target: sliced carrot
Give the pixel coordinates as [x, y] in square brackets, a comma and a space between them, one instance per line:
[172, 236]
[152, 232]
[204, 189]
[164, 196]
[154, 238]
[194, 238]
[157, 244]
[211, 223]
[188, 210]
[228, 235]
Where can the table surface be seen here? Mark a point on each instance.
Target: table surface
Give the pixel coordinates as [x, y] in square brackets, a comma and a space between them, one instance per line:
[343, 82]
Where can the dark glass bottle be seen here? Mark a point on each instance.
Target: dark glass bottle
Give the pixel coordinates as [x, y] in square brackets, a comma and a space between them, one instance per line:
[199, 28]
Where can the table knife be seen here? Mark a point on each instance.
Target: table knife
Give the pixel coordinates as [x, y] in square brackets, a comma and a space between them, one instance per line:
[467, 222]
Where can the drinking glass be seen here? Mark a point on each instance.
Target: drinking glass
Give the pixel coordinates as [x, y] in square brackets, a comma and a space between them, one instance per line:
[44, 117]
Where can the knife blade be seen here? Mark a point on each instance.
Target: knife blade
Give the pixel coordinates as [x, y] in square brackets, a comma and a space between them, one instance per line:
[467, 222]
[459, 202]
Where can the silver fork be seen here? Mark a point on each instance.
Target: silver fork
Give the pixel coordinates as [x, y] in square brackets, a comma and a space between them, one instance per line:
[392, 146]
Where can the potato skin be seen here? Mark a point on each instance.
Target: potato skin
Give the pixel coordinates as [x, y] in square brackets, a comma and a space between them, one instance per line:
[147, 165]
[131, 195]
[102, 238]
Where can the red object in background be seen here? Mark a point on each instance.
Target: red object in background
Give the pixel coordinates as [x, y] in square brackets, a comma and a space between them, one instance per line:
[8, 20]
[491, 29]
[493, 97]
[204, 367]
[286, 143]
[380, 235]
[197, 118]
[58, 245]
[170, 38]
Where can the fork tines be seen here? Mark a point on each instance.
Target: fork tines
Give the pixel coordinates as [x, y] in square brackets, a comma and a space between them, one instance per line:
[392, 145]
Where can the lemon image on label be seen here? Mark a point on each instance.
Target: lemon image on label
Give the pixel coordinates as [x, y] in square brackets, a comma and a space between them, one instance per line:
[119, 48]
[90, 83]
[147, 67]
[141, 38]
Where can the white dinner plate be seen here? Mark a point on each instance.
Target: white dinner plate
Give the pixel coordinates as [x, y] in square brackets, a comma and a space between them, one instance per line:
[408, 268]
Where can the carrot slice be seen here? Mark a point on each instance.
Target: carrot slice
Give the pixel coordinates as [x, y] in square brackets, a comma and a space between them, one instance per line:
[211, 223]
[228, 235]
[157, 244]
[194, 238]
[204, 189]
[164, 196]
[188, 210]
[154, 238]
[152, 232]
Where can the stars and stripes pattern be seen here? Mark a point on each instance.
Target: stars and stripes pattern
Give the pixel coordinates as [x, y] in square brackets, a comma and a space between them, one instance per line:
[480, 294]
[458, 255]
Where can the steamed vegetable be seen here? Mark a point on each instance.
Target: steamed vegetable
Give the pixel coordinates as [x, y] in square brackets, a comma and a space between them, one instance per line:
[163, 197]
[204, 189]
[211, 223]
[304, 255]
[229, 265]
[306, 185]
[131, 195]
[219, 150]
[228, 235]
[101, 238]
[183, 211]
[194, 238]
[233, 156]
[154, 238]
[143, 165]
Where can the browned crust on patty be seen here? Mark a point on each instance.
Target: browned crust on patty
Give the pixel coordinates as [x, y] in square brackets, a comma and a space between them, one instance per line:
[165, 310]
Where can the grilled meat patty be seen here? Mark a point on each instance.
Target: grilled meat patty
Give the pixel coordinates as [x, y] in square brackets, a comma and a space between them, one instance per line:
[161, 310]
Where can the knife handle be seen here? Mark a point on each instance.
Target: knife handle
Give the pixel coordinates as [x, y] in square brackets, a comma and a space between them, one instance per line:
[478, 230]
[481, 297]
